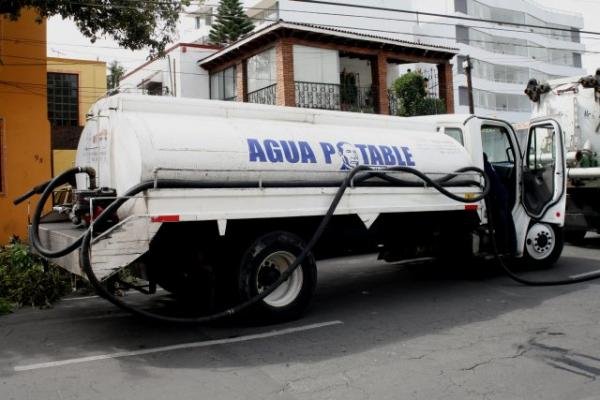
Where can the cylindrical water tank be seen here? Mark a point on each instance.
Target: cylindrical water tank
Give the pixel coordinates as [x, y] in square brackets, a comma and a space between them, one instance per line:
[128, 139]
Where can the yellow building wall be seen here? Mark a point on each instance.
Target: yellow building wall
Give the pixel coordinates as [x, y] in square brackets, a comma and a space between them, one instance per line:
[92, 86]
[92, 80]
[25, 151]
[62, 160]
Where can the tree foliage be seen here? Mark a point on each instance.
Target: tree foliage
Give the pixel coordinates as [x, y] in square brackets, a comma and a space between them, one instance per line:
[410, 89]
[134, 24]
[24, 281]
[115, 73]
[231, 23]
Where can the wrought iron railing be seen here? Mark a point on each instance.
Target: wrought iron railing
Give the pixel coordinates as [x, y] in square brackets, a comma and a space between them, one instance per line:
[393, 102]
[331, 96]
[266, 95]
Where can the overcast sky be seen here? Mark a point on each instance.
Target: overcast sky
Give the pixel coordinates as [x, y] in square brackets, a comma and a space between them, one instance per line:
[64, 40]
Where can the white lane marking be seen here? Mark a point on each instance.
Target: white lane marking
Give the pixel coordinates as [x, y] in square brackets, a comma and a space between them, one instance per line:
[597, 272]
[191, 345]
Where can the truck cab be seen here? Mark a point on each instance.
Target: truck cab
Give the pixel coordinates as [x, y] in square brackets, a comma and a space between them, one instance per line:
[528, 184]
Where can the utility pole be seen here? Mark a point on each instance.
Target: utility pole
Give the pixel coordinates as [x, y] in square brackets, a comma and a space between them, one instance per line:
[467, 66]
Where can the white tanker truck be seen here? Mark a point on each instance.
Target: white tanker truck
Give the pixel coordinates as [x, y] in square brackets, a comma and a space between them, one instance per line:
[237, 200]
[575, 103]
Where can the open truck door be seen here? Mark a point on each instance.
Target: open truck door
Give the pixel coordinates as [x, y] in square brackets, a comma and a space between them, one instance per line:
[544, 170]
[543, 194]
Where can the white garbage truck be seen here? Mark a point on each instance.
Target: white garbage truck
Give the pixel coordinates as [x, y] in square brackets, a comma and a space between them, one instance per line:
[233, 202]
[575, 103]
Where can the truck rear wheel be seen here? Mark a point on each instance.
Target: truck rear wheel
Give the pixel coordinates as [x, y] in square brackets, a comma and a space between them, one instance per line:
[543, 246]
[263, 263]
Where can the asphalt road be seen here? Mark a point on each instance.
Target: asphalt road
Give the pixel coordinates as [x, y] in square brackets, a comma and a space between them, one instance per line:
[374, 331]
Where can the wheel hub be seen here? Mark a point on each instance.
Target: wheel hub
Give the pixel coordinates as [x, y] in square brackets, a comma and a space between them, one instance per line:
[269, 272]
[540, 241]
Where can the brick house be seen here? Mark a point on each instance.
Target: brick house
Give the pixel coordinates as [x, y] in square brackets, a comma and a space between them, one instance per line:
[301, 65]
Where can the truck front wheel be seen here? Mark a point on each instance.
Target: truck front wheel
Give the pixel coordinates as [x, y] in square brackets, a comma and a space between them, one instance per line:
[543, 245]
[264, 262]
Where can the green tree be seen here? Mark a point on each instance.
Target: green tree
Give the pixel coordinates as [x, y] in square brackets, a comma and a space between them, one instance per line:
[411, 92]
[231, 23]
[134, 24]
[115, 73]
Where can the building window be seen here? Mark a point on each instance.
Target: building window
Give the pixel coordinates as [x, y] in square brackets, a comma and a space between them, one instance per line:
[518, 47]
[504, 73]
[63, 99]
[261, 70]
[223, 84]
[198, 22]
[267, 15]
[495, 101]
[483, 11]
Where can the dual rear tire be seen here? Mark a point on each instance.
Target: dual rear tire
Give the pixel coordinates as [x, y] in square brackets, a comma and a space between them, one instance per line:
[224, 275]
[263, 263]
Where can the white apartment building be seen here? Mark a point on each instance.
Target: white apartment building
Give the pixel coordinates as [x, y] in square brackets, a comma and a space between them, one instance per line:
[504, 57]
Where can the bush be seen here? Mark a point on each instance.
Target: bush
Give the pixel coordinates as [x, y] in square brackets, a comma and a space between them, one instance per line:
[412, 96]
[23, 280]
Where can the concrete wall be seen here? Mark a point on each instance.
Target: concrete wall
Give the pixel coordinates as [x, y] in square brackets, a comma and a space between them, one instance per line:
[24, 129]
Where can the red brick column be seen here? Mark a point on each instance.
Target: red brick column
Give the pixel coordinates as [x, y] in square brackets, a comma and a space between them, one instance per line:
[380, 95]
[284, 55]
[241, 82]
[446, 86]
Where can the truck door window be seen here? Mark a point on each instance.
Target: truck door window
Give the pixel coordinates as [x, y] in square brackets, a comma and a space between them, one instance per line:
[541, 149]
[538, 178]
[456, 134]
[496, 144]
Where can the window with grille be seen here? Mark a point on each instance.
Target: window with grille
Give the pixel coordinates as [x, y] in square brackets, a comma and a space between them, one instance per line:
[63, 99]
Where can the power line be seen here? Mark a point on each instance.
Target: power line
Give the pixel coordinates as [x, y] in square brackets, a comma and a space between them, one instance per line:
[435, 37]
[431, 14]
[524, 25]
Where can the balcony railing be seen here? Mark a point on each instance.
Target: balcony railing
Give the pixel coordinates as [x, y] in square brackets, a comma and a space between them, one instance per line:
[266, 95]
[331, 96]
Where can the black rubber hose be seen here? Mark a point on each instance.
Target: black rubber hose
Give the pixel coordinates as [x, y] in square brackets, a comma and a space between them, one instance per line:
[34, 232]
[35, 190]
[86, 265]
[515, 277]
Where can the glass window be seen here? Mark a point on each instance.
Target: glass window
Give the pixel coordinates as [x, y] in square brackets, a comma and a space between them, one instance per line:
[223, 84]
[312, 64]
[261, 70]
[63, 99]
[541, 148]
[496, 144]
[208, 17]
[456, 134]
